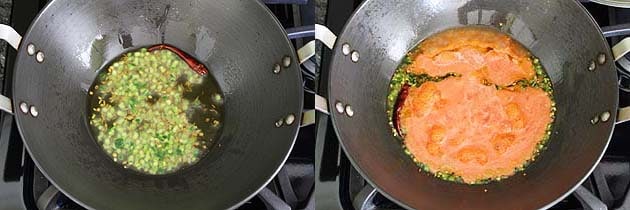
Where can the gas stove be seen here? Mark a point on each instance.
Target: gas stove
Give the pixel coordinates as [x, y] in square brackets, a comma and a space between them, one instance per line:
[340, 186]
[23, 186]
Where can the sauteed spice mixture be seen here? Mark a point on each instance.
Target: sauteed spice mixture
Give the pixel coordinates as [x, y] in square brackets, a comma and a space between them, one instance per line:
[151, 112]
[471, 105]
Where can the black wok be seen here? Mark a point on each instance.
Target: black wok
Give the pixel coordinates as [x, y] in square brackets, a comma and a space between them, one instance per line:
[238, 40]
[560, 33]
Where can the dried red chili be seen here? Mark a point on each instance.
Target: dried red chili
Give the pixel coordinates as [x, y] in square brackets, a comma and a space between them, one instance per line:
[190, 61]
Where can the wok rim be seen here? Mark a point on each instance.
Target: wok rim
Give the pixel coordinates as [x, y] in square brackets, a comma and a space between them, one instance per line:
[377, 187]
[298, 120]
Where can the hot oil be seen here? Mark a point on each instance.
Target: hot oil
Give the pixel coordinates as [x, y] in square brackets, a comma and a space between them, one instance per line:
[205, 111]
[209, 116]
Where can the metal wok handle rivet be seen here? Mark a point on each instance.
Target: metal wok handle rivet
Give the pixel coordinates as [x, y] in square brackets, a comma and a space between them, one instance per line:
[276, 68]
[30, 49]
[345, 49]
[290, 119]
[605, 116]
[601, 58]
[595, 120]
[286, 61]
[279, 123]
[349, 111]
[592, 66]
[340, 108]
[354, 56]
[39, 57]
[24, 107]
[34, 111]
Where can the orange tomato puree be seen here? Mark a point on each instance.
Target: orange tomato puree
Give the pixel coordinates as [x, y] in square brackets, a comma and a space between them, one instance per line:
[461, 124]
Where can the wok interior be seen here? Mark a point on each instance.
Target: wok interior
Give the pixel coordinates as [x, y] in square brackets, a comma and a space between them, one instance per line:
[560, 33]
[239, 42]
